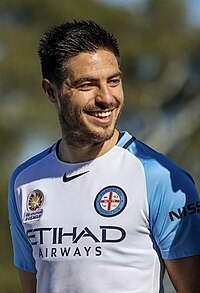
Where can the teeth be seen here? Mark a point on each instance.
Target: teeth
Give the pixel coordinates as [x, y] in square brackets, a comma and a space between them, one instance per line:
[102, 114]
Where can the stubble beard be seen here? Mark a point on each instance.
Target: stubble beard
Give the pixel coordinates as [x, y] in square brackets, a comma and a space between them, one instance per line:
[77, 134]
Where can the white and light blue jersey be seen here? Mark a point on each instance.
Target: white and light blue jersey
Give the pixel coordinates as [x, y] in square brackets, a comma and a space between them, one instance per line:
[103, 225]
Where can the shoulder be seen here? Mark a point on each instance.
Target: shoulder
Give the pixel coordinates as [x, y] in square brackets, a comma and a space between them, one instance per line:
[28, 163]
[162, 170]
[159, 166]
[163, 176]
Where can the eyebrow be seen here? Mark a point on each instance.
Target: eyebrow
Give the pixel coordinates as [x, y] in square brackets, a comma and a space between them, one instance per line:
[91, 79]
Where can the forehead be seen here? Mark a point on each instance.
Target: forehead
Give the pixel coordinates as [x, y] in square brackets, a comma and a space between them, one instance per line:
[93, 63]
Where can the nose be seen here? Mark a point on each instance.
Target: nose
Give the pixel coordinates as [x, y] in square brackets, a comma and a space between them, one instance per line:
[104, 95]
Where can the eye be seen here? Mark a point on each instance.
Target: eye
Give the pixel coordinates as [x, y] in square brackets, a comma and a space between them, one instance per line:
[86, 86]
[114, 81]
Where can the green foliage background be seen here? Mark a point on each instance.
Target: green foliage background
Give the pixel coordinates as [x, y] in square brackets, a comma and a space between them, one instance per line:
[161, 71]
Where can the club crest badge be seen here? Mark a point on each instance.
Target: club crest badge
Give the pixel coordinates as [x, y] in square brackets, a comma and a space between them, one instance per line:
[110, 201]
[34, 203]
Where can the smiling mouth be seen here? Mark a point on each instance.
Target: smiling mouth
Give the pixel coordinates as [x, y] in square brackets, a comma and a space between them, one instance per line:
[100, 114]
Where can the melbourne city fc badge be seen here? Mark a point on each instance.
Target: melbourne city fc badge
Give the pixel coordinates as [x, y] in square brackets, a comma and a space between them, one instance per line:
[34, 203]
[110, 201]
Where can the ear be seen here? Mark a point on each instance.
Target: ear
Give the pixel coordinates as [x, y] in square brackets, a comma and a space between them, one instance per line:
[50, 90]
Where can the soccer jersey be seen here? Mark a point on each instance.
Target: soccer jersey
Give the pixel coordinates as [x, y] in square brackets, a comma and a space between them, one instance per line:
[103, 225]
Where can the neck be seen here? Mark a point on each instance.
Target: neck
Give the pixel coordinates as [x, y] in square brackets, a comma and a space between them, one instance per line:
[72, 154]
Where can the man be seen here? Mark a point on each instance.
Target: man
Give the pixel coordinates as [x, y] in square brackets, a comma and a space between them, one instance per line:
[99, 211]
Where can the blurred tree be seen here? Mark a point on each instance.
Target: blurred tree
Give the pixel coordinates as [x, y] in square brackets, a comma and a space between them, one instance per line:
[162, 73]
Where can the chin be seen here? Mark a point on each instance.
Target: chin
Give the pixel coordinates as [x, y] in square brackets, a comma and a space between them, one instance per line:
[103, 135]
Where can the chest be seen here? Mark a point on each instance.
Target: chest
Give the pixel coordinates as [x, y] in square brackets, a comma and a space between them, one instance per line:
[98, 204]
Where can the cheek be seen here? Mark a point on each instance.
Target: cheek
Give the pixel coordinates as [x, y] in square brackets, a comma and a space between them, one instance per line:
[81, 98]
[64, 108]
[74, 104]
[71, 110]
[119, 95]
[121, 92]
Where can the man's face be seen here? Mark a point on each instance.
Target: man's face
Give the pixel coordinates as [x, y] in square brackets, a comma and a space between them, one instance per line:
[91, 98]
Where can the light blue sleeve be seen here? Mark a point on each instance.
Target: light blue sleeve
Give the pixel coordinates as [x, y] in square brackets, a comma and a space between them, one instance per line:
[23, 257]
[174, 205]
[21, 246]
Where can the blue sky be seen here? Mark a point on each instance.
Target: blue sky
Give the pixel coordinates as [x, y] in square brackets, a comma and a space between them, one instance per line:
[193, 8]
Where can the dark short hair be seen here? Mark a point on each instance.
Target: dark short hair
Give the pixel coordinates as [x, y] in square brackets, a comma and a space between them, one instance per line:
[62, 42]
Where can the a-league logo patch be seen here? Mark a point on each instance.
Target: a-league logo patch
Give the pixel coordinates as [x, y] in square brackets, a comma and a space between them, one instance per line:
[34, 203]
[110, 201]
